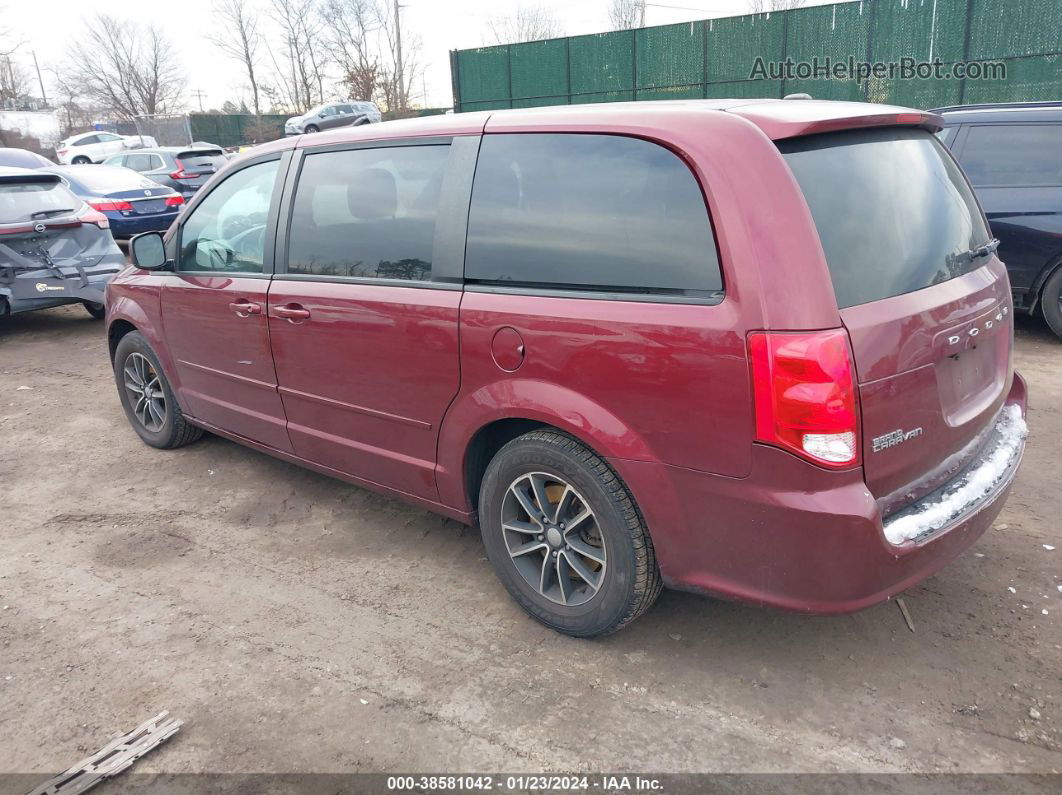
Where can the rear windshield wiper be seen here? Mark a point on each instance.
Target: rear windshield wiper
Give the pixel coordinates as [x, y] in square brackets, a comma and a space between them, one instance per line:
[980, 251]
[50, 213]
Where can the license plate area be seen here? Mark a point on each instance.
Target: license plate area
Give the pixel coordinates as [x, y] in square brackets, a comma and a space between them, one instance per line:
[149, 206]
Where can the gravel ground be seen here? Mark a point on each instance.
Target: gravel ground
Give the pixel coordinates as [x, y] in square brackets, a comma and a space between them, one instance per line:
[298, 624]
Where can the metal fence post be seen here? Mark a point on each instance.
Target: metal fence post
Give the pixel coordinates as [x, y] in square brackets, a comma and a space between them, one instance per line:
[966, 50]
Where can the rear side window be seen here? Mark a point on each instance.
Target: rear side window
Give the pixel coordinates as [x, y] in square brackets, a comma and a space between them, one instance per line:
[892, 210]
[589, 212]
[142, 162]
[367, 213]
[30, 201]
[1013, 154]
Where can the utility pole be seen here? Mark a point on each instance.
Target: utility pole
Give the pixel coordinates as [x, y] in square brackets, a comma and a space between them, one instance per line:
[199, 95]
[44, 97]
[398, 59]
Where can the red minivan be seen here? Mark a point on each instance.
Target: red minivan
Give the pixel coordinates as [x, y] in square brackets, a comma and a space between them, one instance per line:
[758, 349]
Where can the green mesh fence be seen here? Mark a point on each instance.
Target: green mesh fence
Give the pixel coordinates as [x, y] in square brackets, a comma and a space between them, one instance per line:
[716, 58]
[235, 129]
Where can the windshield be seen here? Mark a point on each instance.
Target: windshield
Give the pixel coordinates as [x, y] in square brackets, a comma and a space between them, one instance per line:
[29, 201]
[894, 212]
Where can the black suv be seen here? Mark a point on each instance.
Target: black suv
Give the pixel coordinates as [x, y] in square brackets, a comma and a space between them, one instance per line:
[1012, 153]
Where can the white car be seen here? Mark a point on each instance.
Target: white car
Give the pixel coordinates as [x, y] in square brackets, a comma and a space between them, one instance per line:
[95, 147]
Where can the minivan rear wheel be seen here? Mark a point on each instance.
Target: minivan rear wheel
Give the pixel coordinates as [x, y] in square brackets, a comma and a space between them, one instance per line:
[96, 310]
[147, 397]
[1051, 301]
[81, 160]
[565, 537]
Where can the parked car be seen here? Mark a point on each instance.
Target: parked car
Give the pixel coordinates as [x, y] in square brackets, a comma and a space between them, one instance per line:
[54, 249]
[22, 158]
[131, 202]
[1012, 153]
[95, 147]
[184, 169]
[333, 114]
[760, 349]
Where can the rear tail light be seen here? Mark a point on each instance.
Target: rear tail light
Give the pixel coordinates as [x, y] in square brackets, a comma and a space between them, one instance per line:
[805, 394]
[180, 173]
[174, 201]
[62, 152]
[107, 206]
[93, 216]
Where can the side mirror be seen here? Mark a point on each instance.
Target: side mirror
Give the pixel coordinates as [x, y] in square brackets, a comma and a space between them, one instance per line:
[148, 251]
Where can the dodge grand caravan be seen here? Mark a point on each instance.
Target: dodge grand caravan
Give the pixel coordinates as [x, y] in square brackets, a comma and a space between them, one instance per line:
[757, 349]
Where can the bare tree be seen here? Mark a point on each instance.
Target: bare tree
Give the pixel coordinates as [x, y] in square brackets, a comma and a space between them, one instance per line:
[760, 6]
[352, 26]
[240, 40]
[14, 80]
[9, 42]
[527, 23]
[301, 80]
[400, 64]
[124, 68]
[626, 14]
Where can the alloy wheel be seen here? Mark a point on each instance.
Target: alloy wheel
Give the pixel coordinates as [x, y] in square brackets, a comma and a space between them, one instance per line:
[553, 538]
[146, 394]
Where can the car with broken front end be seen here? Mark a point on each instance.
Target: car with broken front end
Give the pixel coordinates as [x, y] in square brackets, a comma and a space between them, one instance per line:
[757, 349]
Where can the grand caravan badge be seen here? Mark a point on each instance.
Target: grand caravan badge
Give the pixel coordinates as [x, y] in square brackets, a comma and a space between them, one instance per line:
[893, 438]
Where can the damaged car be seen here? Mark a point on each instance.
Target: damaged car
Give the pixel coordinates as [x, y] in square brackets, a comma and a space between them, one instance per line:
[54, 248]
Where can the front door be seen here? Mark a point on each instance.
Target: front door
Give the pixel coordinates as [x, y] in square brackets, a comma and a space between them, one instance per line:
[214, 307]
[364, 340]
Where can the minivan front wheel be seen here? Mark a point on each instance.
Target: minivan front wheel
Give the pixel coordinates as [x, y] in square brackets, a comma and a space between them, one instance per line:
[147, 397]
[565, 537]
[1051, 301]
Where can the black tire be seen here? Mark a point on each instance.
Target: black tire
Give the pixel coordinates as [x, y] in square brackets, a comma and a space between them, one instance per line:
[312, 128]
[96, 310]
[1051, 302]
[80, 160]
[630, 582]
[175, 430]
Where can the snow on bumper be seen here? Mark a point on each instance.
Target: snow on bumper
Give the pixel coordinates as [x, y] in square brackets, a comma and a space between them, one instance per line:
[970, 489]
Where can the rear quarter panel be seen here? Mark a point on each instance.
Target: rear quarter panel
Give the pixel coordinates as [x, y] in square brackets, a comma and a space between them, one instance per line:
[645, 381]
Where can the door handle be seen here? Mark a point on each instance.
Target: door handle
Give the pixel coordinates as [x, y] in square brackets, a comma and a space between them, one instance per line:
[245, 308]
[291, 312]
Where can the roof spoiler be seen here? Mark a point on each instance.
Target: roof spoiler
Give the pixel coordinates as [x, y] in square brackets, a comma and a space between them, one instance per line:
[27, 176]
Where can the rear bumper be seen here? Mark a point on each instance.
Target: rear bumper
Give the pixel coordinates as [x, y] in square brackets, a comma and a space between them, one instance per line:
[124, 226]
[43, 289]
[791, 535]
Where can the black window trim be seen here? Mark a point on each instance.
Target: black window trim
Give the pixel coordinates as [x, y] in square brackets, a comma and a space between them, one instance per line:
[967, 128]
[269, 252]
[447, 255]
[647, 296]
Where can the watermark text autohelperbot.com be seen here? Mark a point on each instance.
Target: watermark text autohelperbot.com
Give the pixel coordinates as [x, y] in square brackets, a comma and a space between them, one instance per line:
[850, 68]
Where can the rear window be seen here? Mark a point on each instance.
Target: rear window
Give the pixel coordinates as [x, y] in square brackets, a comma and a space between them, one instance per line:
[30, 201]
[1013, 154]
[893, 210]
[203, 162]
[589, 212]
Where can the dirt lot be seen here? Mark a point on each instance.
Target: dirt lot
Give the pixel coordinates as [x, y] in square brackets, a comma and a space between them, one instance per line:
[299, 624]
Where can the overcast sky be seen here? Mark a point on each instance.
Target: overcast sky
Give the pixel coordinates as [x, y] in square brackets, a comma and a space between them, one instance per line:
[440, 25]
